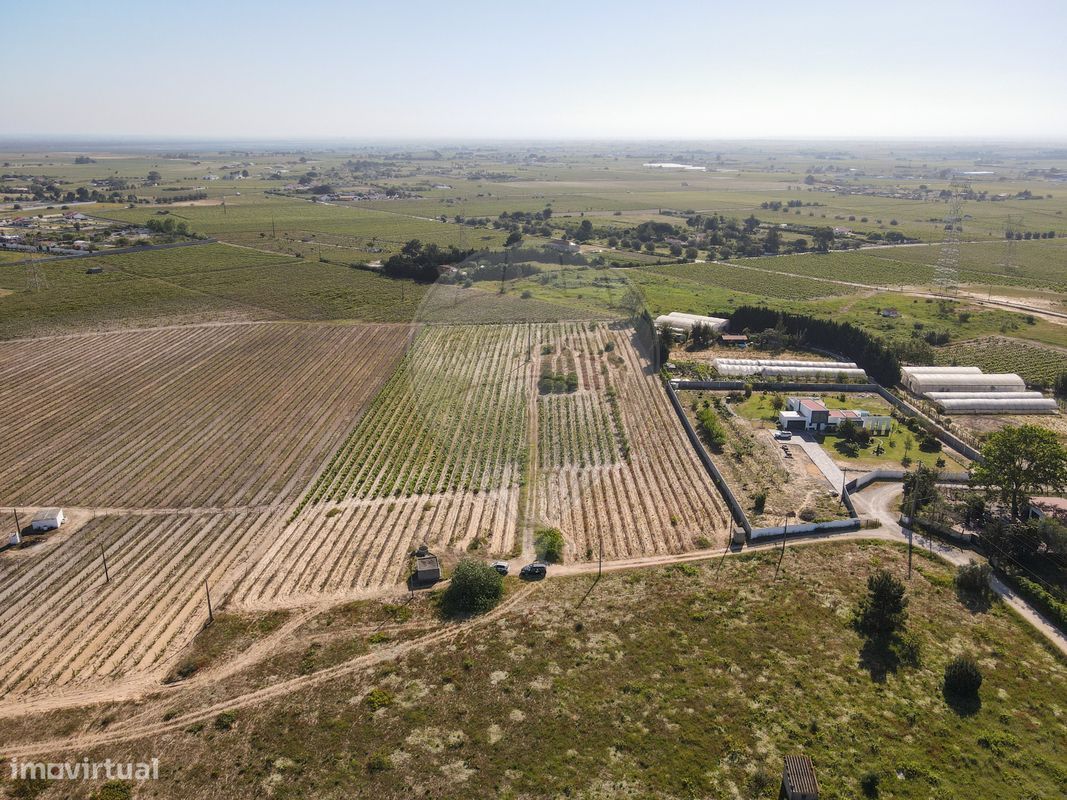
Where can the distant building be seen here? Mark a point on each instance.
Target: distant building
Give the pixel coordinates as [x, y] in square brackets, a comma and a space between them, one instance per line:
[564, 246]
[798, 779]
[427, 567]
[1049, 508]
[48, 519]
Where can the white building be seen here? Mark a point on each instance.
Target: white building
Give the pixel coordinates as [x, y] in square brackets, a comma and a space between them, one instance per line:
[48, 519]
[682, 323]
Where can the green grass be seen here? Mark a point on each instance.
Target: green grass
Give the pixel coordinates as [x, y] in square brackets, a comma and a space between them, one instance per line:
[682, 681]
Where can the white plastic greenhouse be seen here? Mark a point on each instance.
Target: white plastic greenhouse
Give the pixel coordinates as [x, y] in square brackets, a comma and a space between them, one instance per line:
[992, 405]
[788, 370]
[966, 382]
[937, 396]
[908, 375]
[683, 323]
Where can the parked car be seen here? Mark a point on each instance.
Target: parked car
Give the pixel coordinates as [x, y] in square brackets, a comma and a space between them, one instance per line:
[534, 571]
[783, 436]
[501, 567]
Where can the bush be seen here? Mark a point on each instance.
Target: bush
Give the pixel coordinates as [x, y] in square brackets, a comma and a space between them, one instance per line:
[759, 502]
[549, 544]
[378, 698]
[225, 720]
[379, 762]
[972, 581]
[113, 790]
[711, 429]
[869, 784]
[475, 587]
[962, 677]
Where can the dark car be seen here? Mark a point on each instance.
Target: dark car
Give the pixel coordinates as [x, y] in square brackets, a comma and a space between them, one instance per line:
[534, 571]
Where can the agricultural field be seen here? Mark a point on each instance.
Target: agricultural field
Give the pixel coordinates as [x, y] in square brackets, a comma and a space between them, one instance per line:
[615, 467]
[1039, 366]
[687, 680]
[66, 626]
[459, 439]
[204, 416]
[749, 281]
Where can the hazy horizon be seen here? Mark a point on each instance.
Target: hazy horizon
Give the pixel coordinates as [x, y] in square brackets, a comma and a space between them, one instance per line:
[428, 72]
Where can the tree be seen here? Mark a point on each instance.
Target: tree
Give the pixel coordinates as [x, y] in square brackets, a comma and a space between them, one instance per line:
[883, 611]
[963, 678]
[777, 402]
[1018, 462]
[549, 545]
[824, 238]
[475, 588]
[1060, 386]
[584, 232]
[154, 176]
[701, 335]
[972, 581]
[920, 488]
[514, 238]
[711, 428]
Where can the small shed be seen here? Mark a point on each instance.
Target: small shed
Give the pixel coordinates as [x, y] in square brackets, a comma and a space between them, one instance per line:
[427, 569]
[48, 519]
[734, 339]
[798, 779]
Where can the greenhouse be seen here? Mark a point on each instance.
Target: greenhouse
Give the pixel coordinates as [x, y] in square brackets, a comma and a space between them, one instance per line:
[908, 375]
[926, 383]
[936, 396]
[993, 405]
[680, 322]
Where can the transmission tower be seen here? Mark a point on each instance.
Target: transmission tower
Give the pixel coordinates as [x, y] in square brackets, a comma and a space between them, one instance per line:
[1012, 226]
[947, 271]
[35, 277]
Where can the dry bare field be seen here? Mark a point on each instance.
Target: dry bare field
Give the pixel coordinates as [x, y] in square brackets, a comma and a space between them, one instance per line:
[201, 416]
[63, 625]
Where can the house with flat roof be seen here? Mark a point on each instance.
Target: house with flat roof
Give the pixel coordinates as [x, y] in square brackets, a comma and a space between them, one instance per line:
[810, 414]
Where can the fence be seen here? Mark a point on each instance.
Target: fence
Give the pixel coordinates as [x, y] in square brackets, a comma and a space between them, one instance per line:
[905, 408]
[853, 524]
[868, 478]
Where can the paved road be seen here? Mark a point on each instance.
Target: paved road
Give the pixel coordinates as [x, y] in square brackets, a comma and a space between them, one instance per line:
[881, 501]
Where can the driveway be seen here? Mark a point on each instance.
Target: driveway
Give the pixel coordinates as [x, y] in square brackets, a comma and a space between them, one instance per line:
[821, 459]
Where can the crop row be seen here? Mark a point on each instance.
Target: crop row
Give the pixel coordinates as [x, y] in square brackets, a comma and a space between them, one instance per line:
[198, 416]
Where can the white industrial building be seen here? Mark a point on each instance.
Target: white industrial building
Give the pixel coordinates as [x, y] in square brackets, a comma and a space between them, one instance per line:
[48, 519]
[682, 324]
[788, 369]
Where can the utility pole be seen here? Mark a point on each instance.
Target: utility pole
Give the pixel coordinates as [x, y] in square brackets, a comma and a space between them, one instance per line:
[18, 527]
[210, 613]
[273, 230]
[103, 556]
[785, 533]
[600, 564]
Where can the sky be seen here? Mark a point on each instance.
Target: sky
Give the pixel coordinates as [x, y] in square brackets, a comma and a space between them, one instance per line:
[451, 69]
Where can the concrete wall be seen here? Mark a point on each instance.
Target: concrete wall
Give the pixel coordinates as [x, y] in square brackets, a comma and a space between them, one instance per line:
[837, 525]
[719, 481]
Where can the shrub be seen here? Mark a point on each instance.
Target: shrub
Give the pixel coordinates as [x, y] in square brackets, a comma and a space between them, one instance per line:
[962, 677]
[759, 502]
[378, 698]
[475, 587]
[113, 790]
[869, 784]
[549, 544]
[379, 762]
[225, 721]
[972, 581]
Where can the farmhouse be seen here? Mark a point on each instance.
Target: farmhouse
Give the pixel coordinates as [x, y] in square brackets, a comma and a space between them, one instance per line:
[809, 414]
[48, 519]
